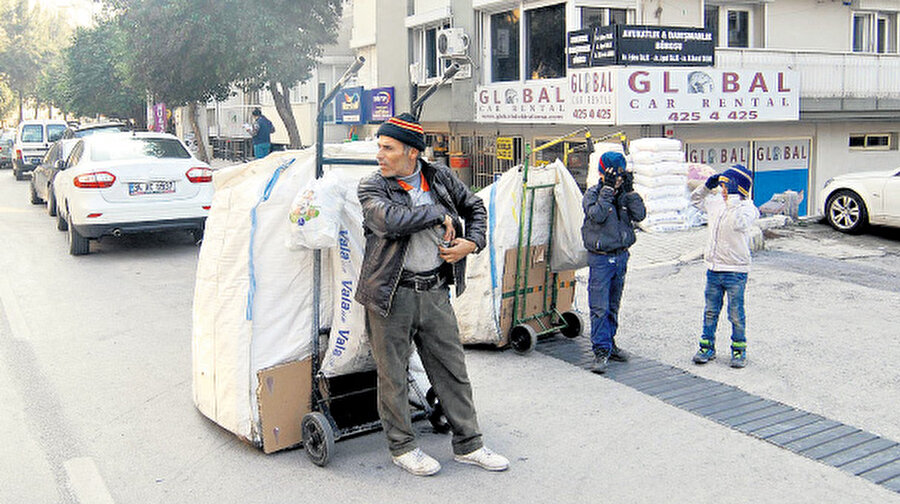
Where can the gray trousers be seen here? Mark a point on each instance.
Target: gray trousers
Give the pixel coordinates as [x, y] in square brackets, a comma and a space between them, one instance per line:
[427, 318]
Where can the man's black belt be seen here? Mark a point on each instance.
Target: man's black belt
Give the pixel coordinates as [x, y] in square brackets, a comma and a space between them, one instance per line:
[422, 281]
[611, 252]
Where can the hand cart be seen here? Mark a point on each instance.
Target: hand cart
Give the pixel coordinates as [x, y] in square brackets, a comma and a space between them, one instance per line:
[523, 336]
[336, 402]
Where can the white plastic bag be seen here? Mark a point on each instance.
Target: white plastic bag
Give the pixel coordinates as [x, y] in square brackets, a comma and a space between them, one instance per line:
[315, 214]
[568, 250]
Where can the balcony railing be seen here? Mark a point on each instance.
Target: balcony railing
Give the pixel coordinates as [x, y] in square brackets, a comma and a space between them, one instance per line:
[825, 74]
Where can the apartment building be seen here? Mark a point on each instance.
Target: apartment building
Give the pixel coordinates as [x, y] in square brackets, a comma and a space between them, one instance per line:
[819, 81]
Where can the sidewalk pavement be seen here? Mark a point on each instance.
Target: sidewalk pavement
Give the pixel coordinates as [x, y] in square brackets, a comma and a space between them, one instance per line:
[657, 249]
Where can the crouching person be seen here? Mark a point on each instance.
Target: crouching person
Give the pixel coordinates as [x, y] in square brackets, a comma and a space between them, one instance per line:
[731, 215]
[610, 210]
[413, 211]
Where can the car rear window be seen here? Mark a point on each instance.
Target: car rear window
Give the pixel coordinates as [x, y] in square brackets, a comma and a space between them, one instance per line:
[55, 132]
[138, 148]
[32, 133]
[103, 129]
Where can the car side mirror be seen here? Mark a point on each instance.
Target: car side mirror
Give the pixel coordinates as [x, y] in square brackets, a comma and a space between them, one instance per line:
[60, 164]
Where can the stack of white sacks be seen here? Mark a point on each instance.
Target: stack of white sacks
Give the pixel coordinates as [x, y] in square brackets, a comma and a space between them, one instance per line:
[660, 177]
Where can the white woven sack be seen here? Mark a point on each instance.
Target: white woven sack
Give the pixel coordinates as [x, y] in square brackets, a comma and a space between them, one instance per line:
[659, 168]
[654, 145]
[674, 204]
[661, 192]
[650, 157]
[661, 180]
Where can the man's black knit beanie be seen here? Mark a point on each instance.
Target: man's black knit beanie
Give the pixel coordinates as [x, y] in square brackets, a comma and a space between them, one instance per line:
[404, 128]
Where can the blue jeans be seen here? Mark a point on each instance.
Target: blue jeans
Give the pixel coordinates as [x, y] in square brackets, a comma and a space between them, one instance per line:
[605, 285]
[717, 284]
[261, 150]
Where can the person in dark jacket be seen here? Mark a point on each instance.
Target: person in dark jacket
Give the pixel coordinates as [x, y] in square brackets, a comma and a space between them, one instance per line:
[261, 131]
[416, 246]
[610, 210]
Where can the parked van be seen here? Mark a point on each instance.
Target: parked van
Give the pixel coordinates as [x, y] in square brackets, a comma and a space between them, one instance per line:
[33, 140]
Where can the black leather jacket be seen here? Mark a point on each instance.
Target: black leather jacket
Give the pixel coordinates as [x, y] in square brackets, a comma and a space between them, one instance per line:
[389, 219]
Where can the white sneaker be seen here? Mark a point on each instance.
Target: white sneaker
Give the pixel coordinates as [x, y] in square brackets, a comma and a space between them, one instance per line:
[417, 462]
[484, 458]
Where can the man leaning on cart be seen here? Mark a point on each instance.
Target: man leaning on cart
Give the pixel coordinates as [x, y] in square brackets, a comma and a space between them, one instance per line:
[412, 213]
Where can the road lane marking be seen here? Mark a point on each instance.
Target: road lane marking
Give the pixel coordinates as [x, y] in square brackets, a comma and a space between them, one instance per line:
[86, 482]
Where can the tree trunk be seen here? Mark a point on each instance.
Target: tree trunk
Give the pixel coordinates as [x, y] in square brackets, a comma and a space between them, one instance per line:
[283, 106]
[199, 138]
[21, 107]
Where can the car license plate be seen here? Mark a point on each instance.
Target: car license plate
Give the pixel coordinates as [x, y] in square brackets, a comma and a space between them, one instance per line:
[153, 187]
[35, 160]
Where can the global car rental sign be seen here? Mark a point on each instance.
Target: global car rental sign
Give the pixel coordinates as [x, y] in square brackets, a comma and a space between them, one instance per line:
[708, 95]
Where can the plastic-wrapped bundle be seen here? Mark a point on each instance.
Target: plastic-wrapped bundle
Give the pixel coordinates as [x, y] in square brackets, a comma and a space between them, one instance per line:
[660, 177]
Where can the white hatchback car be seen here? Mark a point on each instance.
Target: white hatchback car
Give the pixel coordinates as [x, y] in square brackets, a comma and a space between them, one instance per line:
[854, 200]
[118, 183]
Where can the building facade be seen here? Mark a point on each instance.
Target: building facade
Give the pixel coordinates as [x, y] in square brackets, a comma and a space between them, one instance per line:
[820, 98]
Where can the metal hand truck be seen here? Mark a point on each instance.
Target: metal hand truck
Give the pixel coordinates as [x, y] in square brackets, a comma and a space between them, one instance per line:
[523, 337]
[335, 402]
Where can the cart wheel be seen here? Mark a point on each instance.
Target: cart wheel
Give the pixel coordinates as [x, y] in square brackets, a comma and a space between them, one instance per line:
[318, 438]
[575, 324]
[523, 339]
[436, 416]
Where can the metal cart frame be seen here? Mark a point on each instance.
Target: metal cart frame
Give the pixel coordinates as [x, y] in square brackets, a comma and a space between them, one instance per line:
[522, 336]
[318, 427]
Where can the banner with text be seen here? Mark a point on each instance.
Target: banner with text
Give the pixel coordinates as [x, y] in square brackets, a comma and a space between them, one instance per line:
[542, 101]
[659, 96]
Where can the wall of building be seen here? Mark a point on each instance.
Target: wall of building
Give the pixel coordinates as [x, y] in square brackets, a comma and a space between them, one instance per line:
[671, 12]
[829, 32]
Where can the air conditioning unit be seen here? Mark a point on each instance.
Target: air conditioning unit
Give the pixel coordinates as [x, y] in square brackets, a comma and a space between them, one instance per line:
[452, 42]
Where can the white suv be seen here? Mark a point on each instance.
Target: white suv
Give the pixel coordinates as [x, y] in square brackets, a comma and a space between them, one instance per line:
[33, 140]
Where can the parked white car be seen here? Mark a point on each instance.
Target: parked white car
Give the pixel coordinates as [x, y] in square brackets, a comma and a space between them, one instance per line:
[852, 201]
[33, 140]
[119, 183]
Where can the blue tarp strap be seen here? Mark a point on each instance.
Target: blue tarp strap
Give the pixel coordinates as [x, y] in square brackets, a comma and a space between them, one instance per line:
[267, 191]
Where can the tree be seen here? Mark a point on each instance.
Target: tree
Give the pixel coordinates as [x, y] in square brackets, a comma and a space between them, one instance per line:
[92, 76]
[282, 42]
[31, 37]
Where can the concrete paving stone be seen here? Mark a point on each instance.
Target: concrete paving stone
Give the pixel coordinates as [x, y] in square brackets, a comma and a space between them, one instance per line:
[699, 384]
[858, 452]
[883, 473]
[801, 432]
[820, 438]
[749, 412]
[892, 484]
[730, 405]
[835, 446]
[873, 461]
[714, 395]
[786, 426]
[666, 382]
[769, 420]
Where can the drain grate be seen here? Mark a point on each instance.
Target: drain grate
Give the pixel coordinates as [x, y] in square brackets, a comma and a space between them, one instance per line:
[839, 445]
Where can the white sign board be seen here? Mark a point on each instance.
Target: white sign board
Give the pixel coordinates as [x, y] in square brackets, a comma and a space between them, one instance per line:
[591, 96]
[707, 95]
[540, 101]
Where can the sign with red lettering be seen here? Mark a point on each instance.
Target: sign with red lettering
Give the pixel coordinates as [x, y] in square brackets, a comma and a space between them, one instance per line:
[708, 95]
[542, 101]
[591, 96]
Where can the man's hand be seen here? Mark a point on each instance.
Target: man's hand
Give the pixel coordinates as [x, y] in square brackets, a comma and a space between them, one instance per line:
[609, 178]
[458, 249]
[712, 182]
[628, 182]
[449, 230]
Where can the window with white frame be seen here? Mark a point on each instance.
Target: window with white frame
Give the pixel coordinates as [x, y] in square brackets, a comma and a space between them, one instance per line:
[527, 43]
[874, 32]
[873, 141]
[735, 25]
[592, 17]
[427, 63]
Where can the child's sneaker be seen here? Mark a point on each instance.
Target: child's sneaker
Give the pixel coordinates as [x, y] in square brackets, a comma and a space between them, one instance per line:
[738, 357]
[706, 353]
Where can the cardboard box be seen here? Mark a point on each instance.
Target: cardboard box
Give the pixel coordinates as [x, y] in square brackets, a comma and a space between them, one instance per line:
[534, 293]
[284, 397]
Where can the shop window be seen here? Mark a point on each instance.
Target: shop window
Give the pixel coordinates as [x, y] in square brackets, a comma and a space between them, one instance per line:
[592, 17]
[505, 46]
[711, 22]
[738, 28]
[546, 42]
[873, 141]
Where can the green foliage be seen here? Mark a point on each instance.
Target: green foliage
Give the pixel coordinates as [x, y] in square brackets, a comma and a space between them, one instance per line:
[29, 37]
[91, 76]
